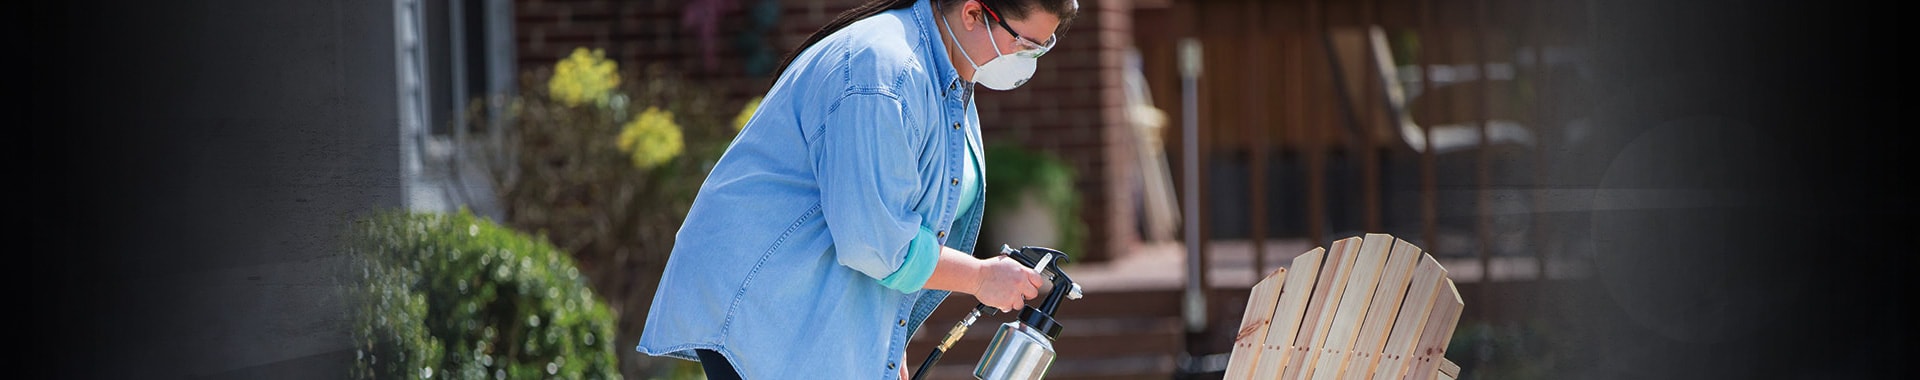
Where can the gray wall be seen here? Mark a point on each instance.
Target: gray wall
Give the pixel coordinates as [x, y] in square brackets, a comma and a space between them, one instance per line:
[190, 165]
[209, 154]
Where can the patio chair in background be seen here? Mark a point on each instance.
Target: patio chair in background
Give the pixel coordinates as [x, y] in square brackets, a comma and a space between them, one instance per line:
[1372, 307]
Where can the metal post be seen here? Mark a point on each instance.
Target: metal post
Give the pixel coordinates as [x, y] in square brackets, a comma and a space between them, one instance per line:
[500, 65]
[457, 100]
[1484, 157]
[1315, 128]
[1369, 146]
[1540, 119]
[1430, 40]
[1196, 301]
[1256, 106]
[414, 112]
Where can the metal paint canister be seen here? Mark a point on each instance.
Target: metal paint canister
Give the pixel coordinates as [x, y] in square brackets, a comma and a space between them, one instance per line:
[1018, 351]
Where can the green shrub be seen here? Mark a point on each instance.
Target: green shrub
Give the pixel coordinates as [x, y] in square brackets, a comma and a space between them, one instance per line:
[1013, 171]
[456, 296]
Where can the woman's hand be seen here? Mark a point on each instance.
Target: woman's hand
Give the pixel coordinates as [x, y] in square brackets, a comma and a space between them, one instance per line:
[1004, 284]
[999, 282]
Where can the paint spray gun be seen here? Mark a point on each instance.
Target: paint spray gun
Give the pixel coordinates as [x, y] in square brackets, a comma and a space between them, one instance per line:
[1023, 349]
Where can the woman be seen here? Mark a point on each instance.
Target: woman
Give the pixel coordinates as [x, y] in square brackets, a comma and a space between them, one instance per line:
[847, 208]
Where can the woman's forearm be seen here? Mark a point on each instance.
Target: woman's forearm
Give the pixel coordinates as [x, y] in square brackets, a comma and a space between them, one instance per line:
[956, 272]
[999, 282]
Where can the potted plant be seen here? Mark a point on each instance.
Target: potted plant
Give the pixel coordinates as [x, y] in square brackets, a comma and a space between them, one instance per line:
[1030, 200]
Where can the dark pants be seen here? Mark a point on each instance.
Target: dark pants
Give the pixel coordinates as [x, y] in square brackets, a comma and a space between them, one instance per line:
[716, 366]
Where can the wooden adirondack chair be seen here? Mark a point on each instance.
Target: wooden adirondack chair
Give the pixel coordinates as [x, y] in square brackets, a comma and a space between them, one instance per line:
[1372, 308]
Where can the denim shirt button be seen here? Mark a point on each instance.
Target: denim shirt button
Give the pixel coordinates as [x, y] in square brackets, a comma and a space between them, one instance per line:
[943, 234]
[956, 126]
[889, 365]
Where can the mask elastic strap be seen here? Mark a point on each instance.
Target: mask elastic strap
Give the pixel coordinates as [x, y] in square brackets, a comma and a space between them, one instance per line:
[989, 28]
[956, 43]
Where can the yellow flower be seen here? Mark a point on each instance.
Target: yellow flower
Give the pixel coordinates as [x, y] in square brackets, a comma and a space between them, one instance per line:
[585, 76]
[746, 113]
[651, 139]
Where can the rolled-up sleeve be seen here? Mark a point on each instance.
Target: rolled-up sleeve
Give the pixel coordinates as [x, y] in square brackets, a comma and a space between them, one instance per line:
[922, 255]
[864, 161]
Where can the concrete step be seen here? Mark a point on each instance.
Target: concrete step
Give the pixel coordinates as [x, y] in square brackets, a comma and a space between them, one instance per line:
[1105, 335]
[1156, 367]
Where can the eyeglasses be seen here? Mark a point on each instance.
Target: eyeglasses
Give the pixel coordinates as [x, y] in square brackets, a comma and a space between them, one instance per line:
[1028, 47]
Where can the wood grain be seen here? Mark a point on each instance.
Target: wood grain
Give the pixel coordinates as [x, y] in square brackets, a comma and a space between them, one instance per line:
[1345, 329]
[1254, 324]
[1288, 312]
[1437, 333]
[1394, 277]
[1428, 278]
[1370, 307]
[1322, 306]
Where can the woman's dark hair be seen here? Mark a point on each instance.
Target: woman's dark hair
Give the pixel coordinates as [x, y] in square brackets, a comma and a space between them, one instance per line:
[1012, 9]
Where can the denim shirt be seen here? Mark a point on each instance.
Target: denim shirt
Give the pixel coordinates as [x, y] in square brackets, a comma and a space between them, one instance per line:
[851, 153]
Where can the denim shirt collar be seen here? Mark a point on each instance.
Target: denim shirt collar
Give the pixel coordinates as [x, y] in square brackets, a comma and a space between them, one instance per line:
[947, 78]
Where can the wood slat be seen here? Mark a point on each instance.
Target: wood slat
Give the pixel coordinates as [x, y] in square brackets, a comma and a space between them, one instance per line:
[1288, 312]
[1254, 324]
[1394, 277]
[1359, 290]
[1424, 288]
[1379, 323]
[1437, 333]
[1372, 307]
[1318, 316]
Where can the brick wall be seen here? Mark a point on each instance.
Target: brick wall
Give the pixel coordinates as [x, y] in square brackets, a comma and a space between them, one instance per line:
[1071, 108]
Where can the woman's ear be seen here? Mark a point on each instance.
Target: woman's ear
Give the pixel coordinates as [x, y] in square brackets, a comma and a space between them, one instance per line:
[972, 12]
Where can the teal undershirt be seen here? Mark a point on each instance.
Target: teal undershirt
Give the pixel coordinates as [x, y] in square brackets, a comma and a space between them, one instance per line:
[924, 252]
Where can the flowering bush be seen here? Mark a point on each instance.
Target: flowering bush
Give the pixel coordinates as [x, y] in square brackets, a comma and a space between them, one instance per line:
[586, 76]
[577, 165]
[652, 138]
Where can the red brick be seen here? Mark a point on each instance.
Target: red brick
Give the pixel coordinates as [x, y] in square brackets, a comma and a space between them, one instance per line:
[1072, 107]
